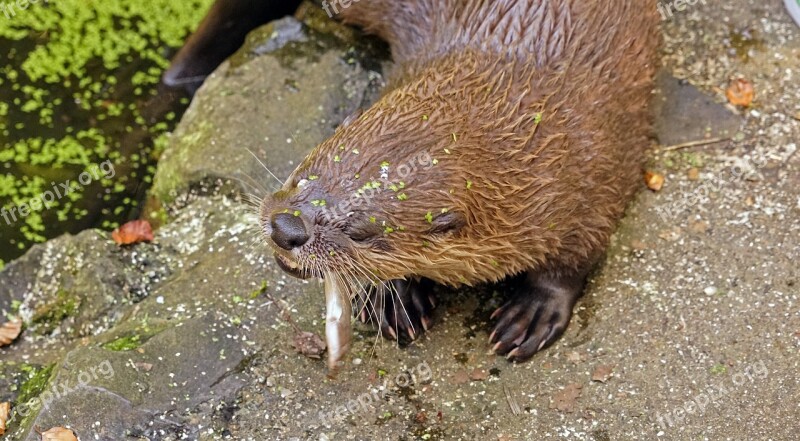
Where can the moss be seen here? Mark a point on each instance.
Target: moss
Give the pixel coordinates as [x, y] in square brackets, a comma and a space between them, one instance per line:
[36, 382]
[121, 344]
[718, 369]
[49, 316]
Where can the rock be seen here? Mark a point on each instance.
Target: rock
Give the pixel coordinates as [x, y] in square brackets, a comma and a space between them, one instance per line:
[58, 295]
[154, 341]
[284, 92]
[685, 114]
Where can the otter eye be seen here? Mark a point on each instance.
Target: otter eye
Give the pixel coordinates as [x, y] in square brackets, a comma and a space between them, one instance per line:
[448, 222]
[360, 231]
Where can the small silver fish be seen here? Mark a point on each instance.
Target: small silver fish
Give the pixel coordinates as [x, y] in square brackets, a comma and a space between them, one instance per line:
[338, 329]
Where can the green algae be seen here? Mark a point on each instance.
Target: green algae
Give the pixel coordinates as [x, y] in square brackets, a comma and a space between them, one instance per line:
[80, 33]
[122, 344]
[36, 382]
[49, 316]
[78, 85]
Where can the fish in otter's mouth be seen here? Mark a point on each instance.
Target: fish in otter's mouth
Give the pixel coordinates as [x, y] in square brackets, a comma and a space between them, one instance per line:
[321, 227]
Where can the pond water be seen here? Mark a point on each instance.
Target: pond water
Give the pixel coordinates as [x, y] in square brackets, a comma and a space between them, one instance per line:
[83, 118]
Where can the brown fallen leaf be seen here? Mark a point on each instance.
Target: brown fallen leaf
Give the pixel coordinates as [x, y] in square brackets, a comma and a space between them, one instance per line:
[10, 331]
[479, 374]
[574, 357]
[567, 399]
[671, 234]
[654, 180]
[58, 434]
[740, 92]
[602, 373]
[309, 344]
[693, 174]
[460, 377]
[147, 367]
[698, 227]
[133, 232]
[5, 412]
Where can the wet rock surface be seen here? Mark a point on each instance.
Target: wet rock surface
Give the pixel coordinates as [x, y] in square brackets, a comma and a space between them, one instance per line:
[690, 328]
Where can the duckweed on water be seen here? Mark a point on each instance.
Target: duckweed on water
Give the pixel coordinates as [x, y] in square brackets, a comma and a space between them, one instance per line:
[78, 88]
[81, 32]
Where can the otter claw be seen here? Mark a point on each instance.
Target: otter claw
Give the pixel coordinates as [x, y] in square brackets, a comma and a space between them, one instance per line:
[405, 309]
[392, 334]
[535, 317]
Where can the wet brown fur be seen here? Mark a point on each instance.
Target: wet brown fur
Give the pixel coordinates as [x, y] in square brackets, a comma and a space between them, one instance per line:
[536, 114]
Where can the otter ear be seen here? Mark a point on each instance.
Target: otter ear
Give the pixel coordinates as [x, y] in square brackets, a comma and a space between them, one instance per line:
[352, 117]
[449, 222]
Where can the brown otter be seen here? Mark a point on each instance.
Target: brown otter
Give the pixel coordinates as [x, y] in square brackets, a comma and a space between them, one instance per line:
[507, 145]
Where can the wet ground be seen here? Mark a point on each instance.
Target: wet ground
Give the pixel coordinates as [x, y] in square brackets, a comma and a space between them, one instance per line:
[689, 329]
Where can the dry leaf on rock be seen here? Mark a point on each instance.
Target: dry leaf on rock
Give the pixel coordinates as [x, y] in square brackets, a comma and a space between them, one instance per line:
[309, 344]
[58, 434]
[740, 92]
[133, 232]
[602, 373]
[574, 357]
[654, 180]
[5, 413]
[567, 399]
[479, 374]
[460, 377]
[10, 331]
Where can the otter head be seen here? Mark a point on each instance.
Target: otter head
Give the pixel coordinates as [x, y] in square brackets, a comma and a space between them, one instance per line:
[368, 210]
[406, 189]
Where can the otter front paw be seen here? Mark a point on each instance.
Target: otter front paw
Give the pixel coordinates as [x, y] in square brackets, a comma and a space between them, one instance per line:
[402, 309]
[535, 317]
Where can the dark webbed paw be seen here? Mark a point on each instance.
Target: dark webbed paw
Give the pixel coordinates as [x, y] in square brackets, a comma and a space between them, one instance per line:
[537, 314]
[403, 309]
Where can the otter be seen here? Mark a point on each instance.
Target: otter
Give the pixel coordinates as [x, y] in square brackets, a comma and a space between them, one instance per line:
[506, 146]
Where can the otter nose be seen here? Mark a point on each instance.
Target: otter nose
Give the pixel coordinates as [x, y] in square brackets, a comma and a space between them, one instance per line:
[288, 231]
